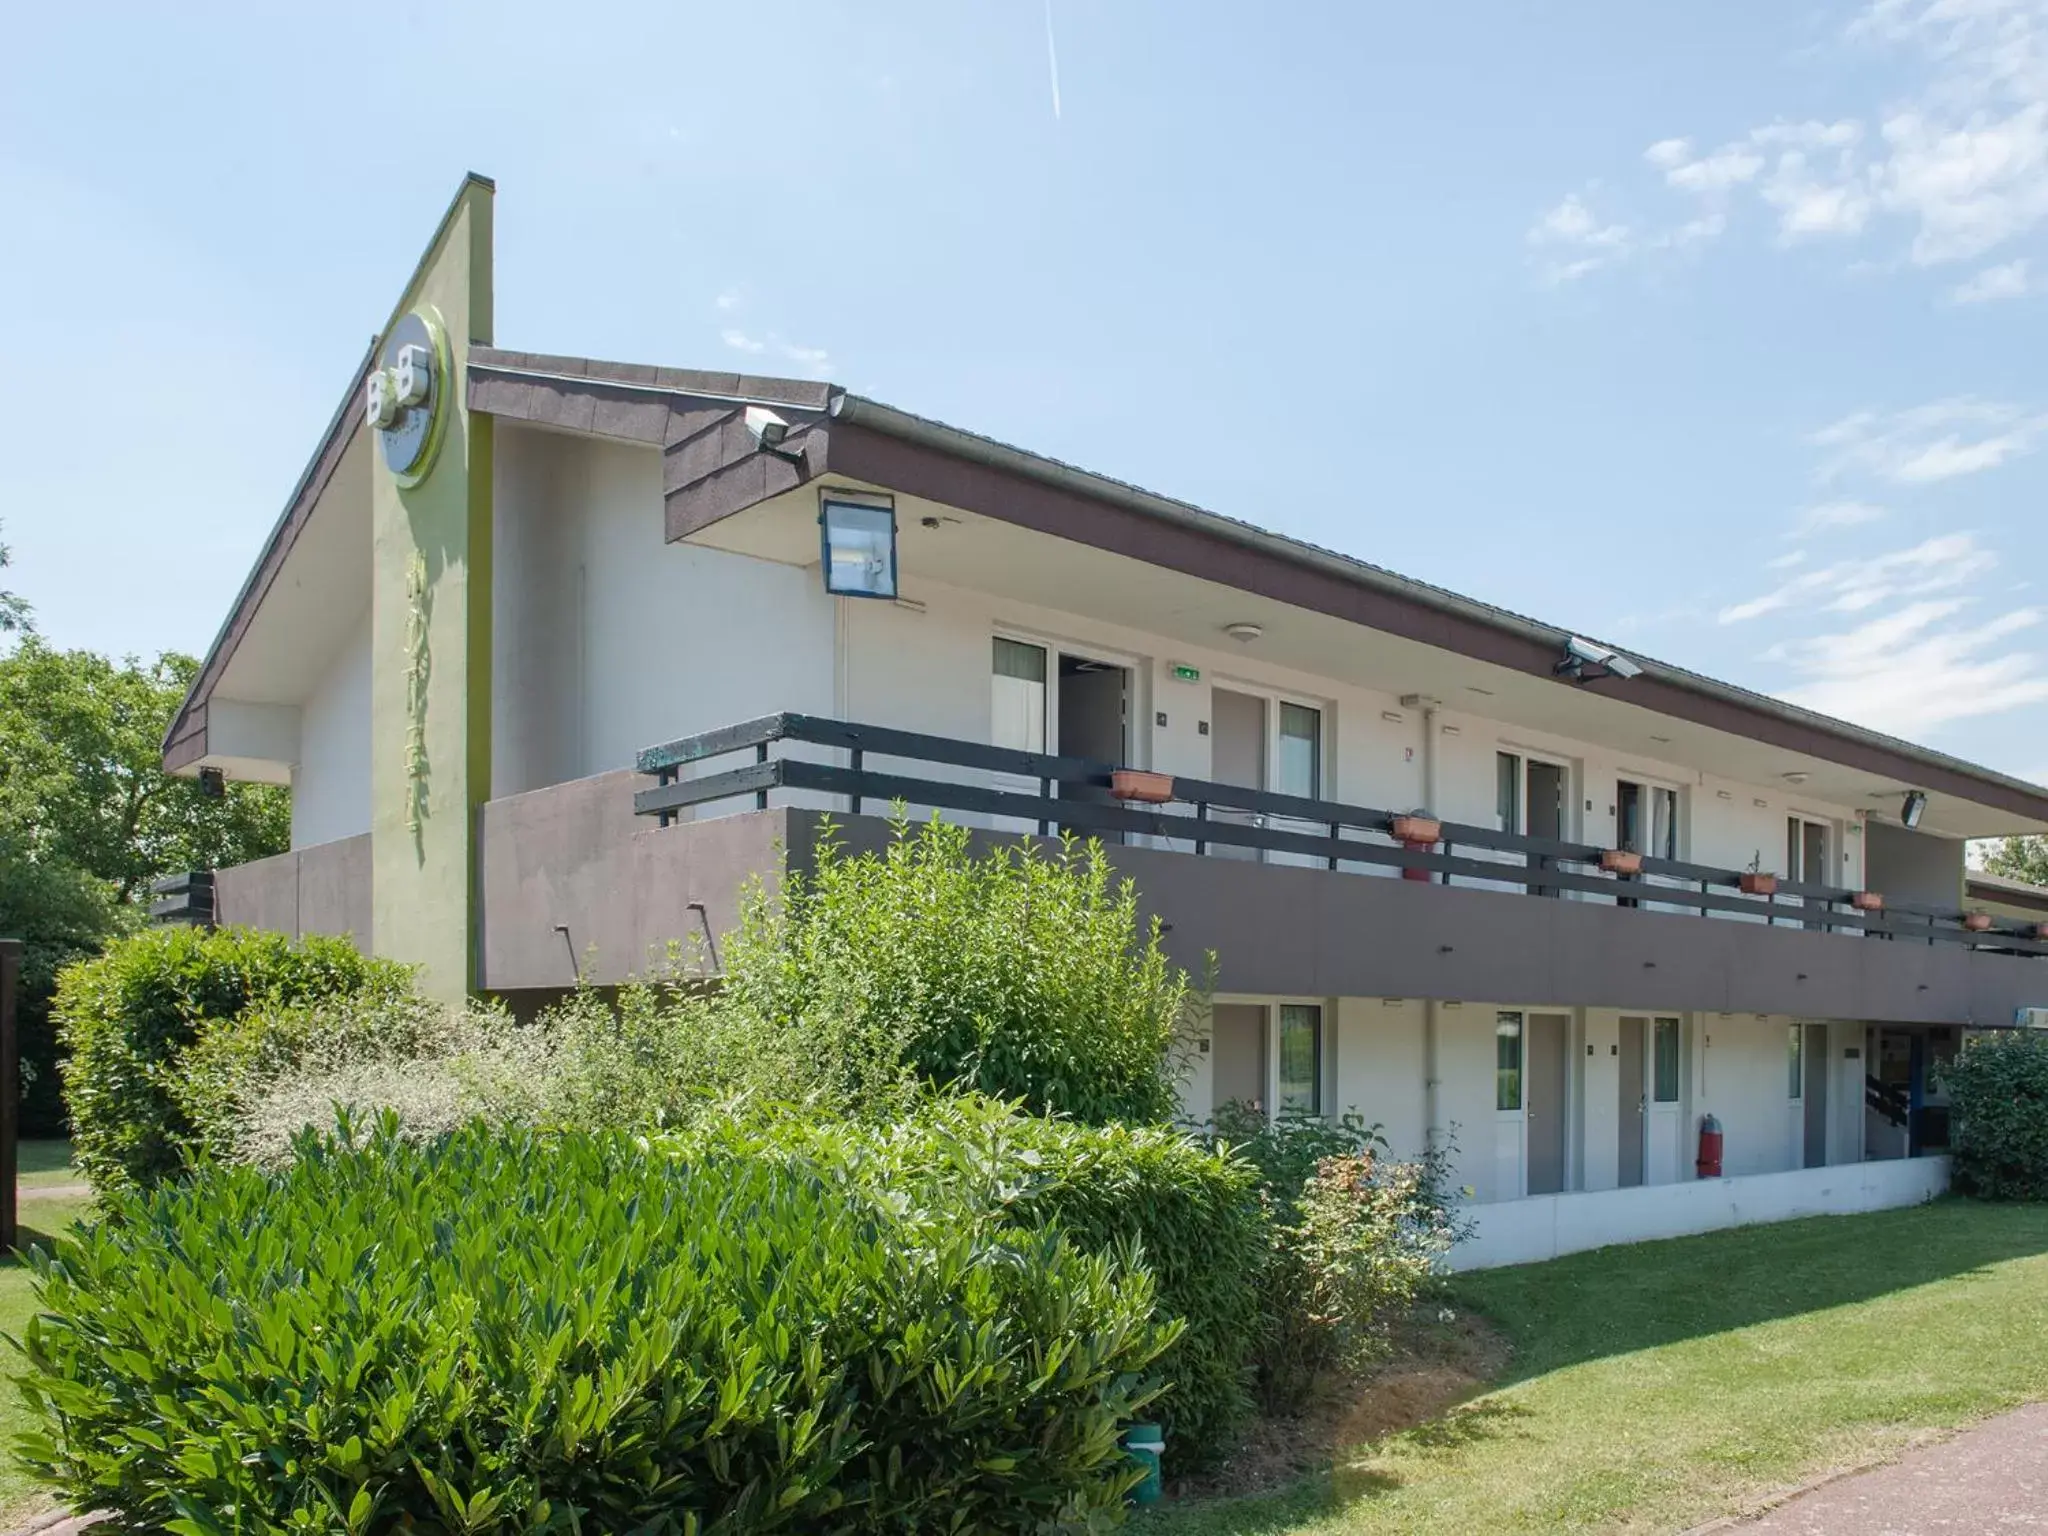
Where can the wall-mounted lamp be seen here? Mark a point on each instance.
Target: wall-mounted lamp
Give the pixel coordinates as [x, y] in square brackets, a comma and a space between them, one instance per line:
[1914, 808]
[1581, 653]
[857, 543]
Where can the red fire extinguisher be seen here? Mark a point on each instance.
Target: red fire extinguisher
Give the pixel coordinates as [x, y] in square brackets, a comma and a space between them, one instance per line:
[1709, 1165]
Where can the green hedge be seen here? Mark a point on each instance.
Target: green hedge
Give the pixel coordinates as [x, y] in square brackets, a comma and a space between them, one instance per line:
[129, 1016]
[1997, 1089]
[1191, 1216]
[512, 1331]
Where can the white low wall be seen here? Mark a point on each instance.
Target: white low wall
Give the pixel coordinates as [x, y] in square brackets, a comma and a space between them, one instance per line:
[1544, 1226]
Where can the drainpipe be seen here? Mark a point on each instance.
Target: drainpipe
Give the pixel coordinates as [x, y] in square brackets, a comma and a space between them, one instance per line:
[1429, 707]
[1432, 1114]
[1432, 1096]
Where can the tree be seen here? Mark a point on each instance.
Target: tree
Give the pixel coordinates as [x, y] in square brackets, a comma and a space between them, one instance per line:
[2020, 858]
[13, 610]
[82, 778]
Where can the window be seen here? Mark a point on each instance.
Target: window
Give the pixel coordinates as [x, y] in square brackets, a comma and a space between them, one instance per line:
[1018, 722]
[1665, 1059]
[1301, 1059]
[1301, 751]
[1796, 1084]
[1508, 791]
[1507, 1070]
[1646, 818]
[1663, 823]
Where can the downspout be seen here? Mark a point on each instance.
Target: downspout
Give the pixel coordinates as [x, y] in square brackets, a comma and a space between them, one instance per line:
[1432, 1112]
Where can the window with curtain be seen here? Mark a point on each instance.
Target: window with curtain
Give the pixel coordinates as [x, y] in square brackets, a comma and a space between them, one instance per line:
[1796, 1046]
[1018, 720]
[1508, 791]
[1663, 823]
[1665, 1062]
[1301, 751]
[1507, 1061]
[1301, 1059]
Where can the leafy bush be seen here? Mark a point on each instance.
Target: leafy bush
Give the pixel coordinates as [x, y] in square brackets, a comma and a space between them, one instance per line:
[1353, 1238]
[1192, 1215]
[508, 1331]
[129, 1016]
[1997, 1089]
[249, 1084]
[1013, 972]
[61, 915]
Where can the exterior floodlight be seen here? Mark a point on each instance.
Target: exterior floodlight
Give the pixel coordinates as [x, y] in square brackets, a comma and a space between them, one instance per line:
[1581, 653]
[1914, 808]
[858, 544]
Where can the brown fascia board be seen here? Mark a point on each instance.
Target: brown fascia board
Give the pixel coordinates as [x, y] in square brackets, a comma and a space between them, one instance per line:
[2013, 893]
[185, 741]
[715, 469]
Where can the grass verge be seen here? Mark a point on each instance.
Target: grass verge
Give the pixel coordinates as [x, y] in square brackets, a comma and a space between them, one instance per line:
[45, 1164]
[1654, 1387]
[20, 1497]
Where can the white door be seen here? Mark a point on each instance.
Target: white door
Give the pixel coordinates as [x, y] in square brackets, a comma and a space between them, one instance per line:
[1237, 755]
[1017, 718]
[1664, 1129]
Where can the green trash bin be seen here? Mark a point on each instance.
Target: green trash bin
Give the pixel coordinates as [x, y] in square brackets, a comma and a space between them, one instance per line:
[1146, 1444]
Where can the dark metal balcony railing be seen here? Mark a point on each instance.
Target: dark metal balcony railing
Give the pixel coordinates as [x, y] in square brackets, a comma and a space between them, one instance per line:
[1073, 794]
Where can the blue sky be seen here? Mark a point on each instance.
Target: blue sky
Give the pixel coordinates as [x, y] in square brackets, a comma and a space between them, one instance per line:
[1714, 329]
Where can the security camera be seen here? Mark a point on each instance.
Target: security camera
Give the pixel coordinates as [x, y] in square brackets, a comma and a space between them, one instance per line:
[1581, 649]
[1621, 666]
[768, 428]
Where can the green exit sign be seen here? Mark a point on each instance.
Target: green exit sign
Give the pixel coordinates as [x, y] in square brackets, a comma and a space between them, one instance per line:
[1187, 674]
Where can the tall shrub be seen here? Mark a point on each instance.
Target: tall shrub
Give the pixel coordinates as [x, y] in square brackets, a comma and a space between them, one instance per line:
[1014, 972]
[504, 1331]
[128, 1017]
[1997, 1089]
[1190, 1216]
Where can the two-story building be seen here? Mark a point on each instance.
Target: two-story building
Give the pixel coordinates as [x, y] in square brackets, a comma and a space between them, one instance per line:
[556, 654]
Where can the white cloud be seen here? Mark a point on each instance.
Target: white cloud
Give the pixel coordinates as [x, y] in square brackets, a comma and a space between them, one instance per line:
[1956, 162]
[1906, 673]
[728, 300]
[1939, 564]
[1787, 561]
[1928, 443]
[740, 341]
[1834, 514]
[2005, 281]
[1574, 241]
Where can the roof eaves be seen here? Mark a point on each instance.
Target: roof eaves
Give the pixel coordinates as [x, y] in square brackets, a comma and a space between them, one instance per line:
[924, 431]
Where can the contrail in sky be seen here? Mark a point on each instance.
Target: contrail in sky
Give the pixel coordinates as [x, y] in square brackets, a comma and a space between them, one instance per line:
[1052, 59]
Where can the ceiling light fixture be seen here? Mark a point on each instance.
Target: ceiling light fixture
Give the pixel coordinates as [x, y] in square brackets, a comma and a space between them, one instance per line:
[1797, 776]
[1243, 633]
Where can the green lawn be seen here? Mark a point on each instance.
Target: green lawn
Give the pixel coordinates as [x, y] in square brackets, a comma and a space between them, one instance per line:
[39, 1217]
[1656, 1387]
[42, 1164]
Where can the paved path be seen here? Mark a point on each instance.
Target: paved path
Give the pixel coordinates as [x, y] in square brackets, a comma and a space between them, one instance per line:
[1993, 1478]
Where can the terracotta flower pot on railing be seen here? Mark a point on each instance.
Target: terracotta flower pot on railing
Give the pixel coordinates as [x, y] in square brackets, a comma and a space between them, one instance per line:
[1142, 785]
[1755, 884]
[1977, 922]
[1418, 834]
[1867, 901]
[1619, 861]
[2041, 930]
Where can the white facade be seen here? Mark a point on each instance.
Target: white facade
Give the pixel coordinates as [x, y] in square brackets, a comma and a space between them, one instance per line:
[331, 772]
[1529, 1231]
